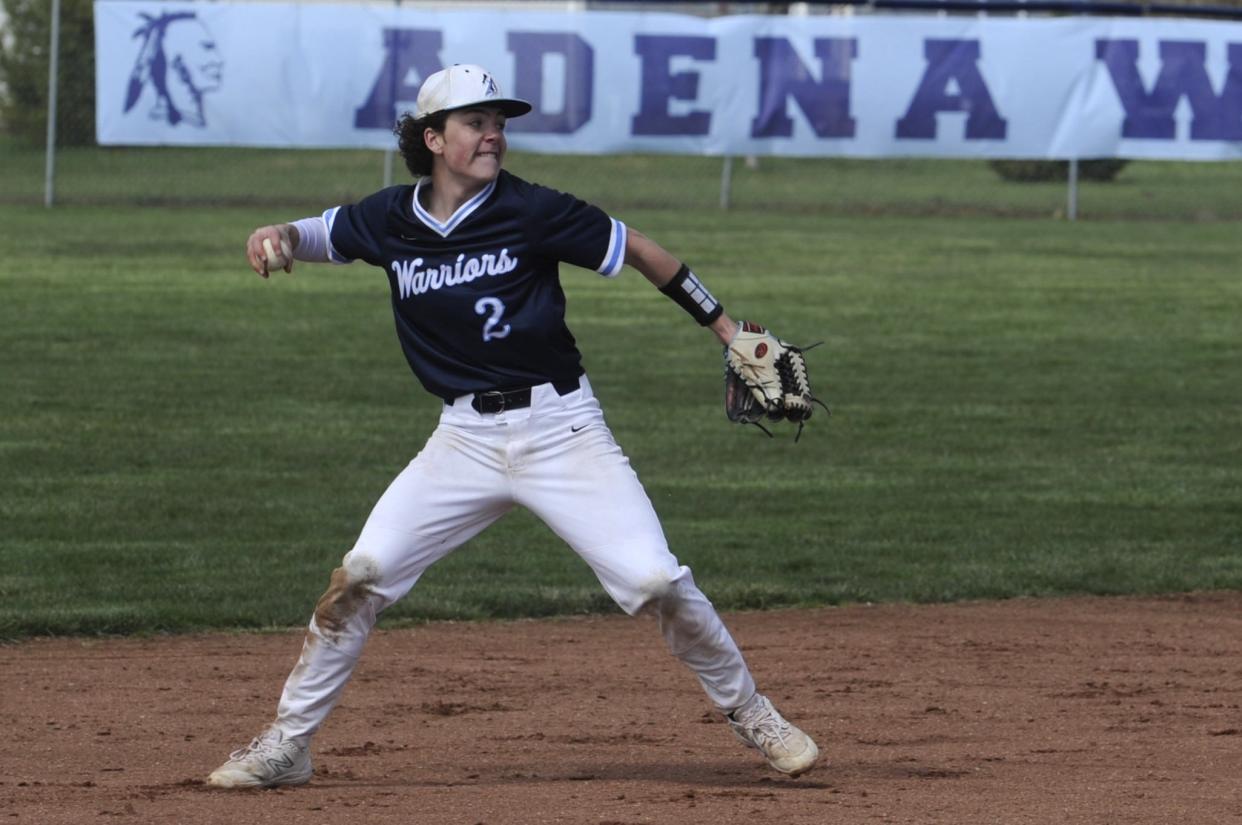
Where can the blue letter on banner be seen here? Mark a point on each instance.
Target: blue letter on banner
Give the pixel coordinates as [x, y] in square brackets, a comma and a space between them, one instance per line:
[529, 50]
[826, 103]
[659, 85]
[1182, 73]
[952, 61]
[404, 50]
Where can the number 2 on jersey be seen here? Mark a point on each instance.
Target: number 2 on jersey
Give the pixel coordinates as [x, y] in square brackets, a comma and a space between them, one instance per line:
[491, 327]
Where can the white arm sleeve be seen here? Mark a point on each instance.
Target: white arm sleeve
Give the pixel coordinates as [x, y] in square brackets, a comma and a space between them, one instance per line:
[312, 240]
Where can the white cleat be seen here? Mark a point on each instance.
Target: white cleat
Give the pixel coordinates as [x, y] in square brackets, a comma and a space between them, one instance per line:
[271, 759]
[760, 726]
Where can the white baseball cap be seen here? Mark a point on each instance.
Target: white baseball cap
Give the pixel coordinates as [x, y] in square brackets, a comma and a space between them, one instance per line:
[463, 85]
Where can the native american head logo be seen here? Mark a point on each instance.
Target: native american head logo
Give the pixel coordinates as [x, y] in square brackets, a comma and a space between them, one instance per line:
[180, 62]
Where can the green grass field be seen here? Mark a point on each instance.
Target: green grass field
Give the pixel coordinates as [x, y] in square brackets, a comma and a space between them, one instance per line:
[1021, 405]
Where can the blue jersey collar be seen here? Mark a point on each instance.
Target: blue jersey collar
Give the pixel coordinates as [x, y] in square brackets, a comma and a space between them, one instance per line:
[464, 211]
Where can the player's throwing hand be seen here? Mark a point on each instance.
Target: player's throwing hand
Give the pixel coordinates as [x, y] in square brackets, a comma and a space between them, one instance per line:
[270, 248]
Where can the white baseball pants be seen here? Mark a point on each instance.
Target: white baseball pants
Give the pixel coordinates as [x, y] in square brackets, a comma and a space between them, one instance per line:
[558, 459]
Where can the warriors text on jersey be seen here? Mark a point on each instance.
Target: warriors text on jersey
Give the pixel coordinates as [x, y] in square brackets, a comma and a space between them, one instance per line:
[477, 299]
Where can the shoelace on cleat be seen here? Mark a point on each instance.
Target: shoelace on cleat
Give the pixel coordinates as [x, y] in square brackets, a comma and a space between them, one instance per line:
[266, 742]
[770, 726]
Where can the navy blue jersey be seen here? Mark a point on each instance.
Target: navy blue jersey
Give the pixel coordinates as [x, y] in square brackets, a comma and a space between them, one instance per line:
[477, 299]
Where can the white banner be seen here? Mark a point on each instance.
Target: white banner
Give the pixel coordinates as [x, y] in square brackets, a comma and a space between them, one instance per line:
[320, 75]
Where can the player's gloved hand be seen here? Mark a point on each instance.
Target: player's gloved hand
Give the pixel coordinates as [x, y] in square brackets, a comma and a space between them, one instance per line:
[270, 248]
[766, 377]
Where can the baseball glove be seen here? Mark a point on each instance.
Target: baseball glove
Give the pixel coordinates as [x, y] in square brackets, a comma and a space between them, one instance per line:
[766, 377]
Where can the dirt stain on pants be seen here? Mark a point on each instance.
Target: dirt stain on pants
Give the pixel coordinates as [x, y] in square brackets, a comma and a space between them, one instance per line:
[350, 587]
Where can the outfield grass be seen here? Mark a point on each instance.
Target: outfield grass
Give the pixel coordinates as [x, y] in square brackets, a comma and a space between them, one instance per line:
[306, 179]
[1022, 406]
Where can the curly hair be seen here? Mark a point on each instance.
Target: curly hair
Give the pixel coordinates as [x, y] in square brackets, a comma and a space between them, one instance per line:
[410, 143]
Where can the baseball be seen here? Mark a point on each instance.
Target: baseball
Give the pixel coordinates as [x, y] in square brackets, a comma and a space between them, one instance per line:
[277, 260]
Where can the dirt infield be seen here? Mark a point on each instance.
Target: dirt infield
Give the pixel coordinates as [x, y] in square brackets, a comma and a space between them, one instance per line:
[1056, 711]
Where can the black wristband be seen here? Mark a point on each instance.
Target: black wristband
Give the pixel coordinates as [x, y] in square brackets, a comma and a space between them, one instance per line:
[689, 294]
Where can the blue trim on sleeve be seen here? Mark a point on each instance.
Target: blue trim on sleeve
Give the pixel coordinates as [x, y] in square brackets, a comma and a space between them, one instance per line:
[614, 258]
[335, 257]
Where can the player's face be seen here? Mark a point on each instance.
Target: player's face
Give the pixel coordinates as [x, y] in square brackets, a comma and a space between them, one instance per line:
[472, 146]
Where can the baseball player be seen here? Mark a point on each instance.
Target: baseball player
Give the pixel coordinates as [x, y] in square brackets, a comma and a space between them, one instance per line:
[471, 253]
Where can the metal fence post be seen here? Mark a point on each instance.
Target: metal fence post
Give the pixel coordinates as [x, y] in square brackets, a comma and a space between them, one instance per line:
[1071, 207]
[53, 70]
[726, 182]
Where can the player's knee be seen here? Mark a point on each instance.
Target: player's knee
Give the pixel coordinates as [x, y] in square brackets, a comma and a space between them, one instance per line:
[657, 589]
[349, 590]
[360, 567]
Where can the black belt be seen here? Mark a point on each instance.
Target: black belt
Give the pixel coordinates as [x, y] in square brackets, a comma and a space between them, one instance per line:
[494, 401]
